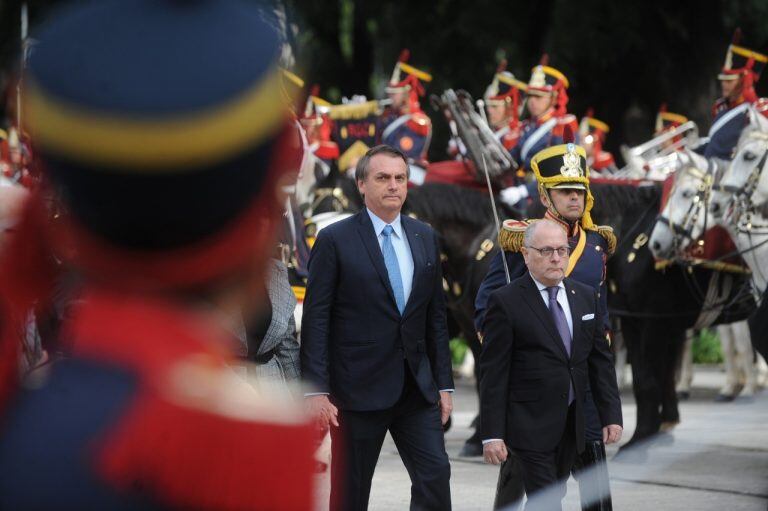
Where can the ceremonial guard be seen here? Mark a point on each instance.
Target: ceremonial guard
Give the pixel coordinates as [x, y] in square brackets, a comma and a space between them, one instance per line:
[404, 125]
[563, 185]
[502, 105]
[170, 203]
[740, 72]
[592, 133]
[667, 121]
[318, 127]
[548, 124]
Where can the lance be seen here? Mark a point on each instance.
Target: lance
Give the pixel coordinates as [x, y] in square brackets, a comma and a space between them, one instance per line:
[481, 107]
[495, 217]
[24, 27]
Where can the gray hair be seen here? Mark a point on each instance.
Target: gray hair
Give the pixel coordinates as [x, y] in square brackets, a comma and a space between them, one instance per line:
[361, 170]
[530, 231]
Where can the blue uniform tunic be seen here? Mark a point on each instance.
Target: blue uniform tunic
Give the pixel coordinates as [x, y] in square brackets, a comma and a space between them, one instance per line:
[409, 133]
[536, 135]
[726, 129]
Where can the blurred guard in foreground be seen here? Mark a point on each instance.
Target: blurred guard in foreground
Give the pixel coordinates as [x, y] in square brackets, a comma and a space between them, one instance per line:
[161, 129]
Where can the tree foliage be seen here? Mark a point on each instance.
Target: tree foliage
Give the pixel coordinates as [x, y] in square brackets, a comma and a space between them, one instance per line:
[622, 58]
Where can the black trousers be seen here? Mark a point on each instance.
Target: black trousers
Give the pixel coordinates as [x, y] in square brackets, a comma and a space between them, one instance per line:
[418, 433]
[545, 474]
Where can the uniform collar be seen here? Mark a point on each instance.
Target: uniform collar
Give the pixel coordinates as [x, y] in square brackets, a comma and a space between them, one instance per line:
[379, 224]
[547, 116]
[571, 230]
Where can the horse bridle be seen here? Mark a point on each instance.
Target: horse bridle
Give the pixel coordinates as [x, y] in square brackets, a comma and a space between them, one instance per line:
[741, 204]
[682, 233]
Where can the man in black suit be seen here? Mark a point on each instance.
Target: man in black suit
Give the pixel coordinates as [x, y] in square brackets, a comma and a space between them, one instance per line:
[543, 339]
[375, 341]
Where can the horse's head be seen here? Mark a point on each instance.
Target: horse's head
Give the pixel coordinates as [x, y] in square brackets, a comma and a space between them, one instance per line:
[744, 180]
[683, 218]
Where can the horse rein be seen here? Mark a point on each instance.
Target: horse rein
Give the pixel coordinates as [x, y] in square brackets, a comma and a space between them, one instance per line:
[682, 232]
[741, 205]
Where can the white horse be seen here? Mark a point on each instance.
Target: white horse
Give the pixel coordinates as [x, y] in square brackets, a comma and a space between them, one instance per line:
[740, 201]
[677, 234]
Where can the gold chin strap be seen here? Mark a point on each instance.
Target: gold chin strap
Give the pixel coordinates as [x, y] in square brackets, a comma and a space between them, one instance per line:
[586, 219]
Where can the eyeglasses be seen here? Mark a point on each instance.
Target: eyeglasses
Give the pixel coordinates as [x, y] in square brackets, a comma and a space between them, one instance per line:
[548, 251]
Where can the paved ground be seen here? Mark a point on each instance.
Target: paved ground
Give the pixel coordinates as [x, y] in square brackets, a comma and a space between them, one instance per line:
[716, 459]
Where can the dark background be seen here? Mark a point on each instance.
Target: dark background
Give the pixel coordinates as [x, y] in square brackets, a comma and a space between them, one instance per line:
[622, 58]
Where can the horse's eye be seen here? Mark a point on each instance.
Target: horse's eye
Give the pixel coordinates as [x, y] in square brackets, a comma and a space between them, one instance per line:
[687, 194]
[749, 156]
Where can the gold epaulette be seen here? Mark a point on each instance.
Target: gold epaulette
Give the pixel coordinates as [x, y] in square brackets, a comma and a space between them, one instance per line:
[511, 234]
[606, 231]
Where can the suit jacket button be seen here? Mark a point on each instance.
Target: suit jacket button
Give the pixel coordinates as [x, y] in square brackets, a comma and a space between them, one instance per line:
[564, 394]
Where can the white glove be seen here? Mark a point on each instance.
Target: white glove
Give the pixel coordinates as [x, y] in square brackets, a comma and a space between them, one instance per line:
[514, 194]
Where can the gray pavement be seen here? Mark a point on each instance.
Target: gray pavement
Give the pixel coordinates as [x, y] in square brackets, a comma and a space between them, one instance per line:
[715, 459]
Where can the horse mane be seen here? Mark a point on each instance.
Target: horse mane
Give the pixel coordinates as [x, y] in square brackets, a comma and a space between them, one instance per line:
[449, 203]
[613, 201]
[746, 133]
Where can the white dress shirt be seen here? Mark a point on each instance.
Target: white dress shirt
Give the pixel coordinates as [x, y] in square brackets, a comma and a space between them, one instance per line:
[562, 299]
[402, 249]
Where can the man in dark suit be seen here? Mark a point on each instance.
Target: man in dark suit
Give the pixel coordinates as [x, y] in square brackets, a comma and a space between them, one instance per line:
[375, 341]
[543, 340]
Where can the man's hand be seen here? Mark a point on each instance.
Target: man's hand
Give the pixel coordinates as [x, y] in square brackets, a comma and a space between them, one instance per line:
[612, 433]
[321, 408]
[495, 452]
[446, 406]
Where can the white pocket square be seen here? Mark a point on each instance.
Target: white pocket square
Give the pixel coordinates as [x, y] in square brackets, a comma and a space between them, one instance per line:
[587, 317]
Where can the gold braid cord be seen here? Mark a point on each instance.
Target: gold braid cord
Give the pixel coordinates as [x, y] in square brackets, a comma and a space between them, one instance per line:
[511, 234]
[606, 231]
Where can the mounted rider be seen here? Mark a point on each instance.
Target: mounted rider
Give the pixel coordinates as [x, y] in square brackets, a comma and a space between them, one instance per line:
[667, 121]
[592, 133]
[502, 104]
[318, 126]
[404, 125]
[740, 72]
[503, 101]
[549, 125]
[562, 177]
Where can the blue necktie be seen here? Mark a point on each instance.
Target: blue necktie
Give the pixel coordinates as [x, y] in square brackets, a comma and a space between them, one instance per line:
[393, 267]
[558, 315]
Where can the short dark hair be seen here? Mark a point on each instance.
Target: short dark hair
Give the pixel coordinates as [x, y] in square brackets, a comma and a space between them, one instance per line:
[361, 170]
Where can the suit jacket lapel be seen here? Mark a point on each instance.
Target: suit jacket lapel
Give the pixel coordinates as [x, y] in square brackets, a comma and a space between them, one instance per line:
[368, 237]
[536, 303]
[578, 310]
[416, 243]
